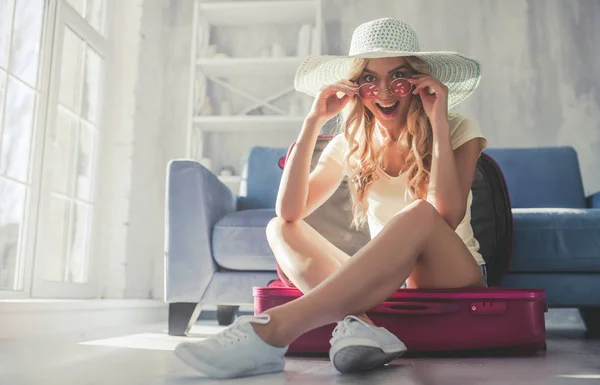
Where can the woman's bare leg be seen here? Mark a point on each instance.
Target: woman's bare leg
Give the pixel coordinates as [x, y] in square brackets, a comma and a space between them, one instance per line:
[417, 242]
[305, 256]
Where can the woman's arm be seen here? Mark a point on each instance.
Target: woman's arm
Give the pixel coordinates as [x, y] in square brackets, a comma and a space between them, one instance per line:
[293, 188]
[302, 191]
[451, 174]
[451, 170]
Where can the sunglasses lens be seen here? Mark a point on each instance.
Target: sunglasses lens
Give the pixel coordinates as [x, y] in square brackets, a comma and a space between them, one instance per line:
[368, 91]
[400, 87]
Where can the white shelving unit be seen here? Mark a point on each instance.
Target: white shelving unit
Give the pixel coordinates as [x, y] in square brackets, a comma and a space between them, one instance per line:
[235, 13]
[225, 71]
[248, 122]
[227, 68]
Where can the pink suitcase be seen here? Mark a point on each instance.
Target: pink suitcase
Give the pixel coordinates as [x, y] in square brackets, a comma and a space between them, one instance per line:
[499, 319]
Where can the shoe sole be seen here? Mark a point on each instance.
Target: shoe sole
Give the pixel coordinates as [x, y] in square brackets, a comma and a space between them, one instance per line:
[187, 357]
[362, 358]
[190, 360]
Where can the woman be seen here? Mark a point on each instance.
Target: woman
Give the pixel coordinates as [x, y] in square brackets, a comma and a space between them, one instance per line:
[410, 164]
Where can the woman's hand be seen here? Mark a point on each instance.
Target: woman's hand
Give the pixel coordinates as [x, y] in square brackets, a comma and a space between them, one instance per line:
[435, 104]
[327, 104]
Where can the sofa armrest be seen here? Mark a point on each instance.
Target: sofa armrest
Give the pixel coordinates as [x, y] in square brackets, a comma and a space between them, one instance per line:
[195, 200]
[593, 201]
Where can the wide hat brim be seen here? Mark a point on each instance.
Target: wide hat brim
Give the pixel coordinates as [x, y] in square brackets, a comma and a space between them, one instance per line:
[459, 73]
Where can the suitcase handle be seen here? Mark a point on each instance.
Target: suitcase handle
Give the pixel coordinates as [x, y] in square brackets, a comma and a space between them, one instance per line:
[417, 308]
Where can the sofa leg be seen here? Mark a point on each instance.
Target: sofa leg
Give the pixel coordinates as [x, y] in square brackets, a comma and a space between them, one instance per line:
[591, 318]
[226, 314]
[182, 315]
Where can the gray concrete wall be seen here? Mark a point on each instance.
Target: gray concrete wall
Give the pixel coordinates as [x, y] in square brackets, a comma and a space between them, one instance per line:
[540, 62]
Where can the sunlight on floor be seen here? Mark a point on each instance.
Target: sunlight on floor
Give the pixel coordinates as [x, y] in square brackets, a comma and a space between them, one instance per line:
[580, 376]
[156, 341]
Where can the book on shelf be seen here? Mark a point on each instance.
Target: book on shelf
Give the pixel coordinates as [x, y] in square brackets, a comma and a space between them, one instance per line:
[304, 40]
[308, 41]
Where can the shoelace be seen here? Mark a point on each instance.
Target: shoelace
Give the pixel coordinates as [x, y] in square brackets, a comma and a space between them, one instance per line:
[233, 334]
[345, 327]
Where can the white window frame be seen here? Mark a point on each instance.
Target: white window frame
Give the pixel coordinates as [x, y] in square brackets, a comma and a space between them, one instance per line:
[57, 15]
[67, 17]
[33, 198]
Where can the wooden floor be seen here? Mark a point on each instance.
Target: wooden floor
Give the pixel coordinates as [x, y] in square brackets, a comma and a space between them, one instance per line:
[144, 356]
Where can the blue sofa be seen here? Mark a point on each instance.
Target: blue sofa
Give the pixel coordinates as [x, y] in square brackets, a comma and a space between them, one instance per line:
[216, 248]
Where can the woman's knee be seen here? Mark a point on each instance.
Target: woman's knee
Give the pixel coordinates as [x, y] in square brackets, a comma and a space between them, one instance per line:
[274, 229]
[280, 230]
[421, 206]
[284, 236]
[421, 213]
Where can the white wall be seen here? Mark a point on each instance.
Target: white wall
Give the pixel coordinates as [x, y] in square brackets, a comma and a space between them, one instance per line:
[116, 150]
[145, 128]
[144, 241]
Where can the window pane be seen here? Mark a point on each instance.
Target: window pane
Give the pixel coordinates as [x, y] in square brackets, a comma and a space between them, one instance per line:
[78, 246]
[85, 157]
[94, 14]
[62, 150]
[25, 47]
[16, 137]
[54, 240]
[12, 205]
[6, 14]
[70, 69]
[77, 5]
[91, 85]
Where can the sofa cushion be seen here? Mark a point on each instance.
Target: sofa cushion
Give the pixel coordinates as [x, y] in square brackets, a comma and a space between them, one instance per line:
[239, 241]
[262, 176]
[556, 240]
[541, 176]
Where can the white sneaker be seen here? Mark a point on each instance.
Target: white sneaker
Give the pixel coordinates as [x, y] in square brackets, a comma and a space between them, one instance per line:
[358, 346]
[235, 352]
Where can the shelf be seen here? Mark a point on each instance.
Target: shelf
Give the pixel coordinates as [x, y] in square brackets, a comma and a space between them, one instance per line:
[269, 66]
[230, 178]
[248, 123]
[259, 12]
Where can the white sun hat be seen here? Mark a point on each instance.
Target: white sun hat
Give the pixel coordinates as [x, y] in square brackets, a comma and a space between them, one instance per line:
[389, 37]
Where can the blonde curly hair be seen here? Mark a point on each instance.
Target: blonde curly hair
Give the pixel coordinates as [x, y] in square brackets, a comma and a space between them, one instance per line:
[363, 160]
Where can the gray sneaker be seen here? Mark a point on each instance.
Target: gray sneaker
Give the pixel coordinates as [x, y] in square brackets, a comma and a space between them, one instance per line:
[357, 346]
[235, 352]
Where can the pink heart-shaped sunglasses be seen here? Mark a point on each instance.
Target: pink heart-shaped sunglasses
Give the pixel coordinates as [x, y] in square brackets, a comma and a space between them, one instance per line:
[398, 87]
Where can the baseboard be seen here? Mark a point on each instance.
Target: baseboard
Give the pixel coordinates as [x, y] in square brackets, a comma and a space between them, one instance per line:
[34, 318]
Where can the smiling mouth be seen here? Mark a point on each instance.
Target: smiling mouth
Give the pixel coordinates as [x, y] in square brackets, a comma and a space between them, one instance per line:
[388, 109]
